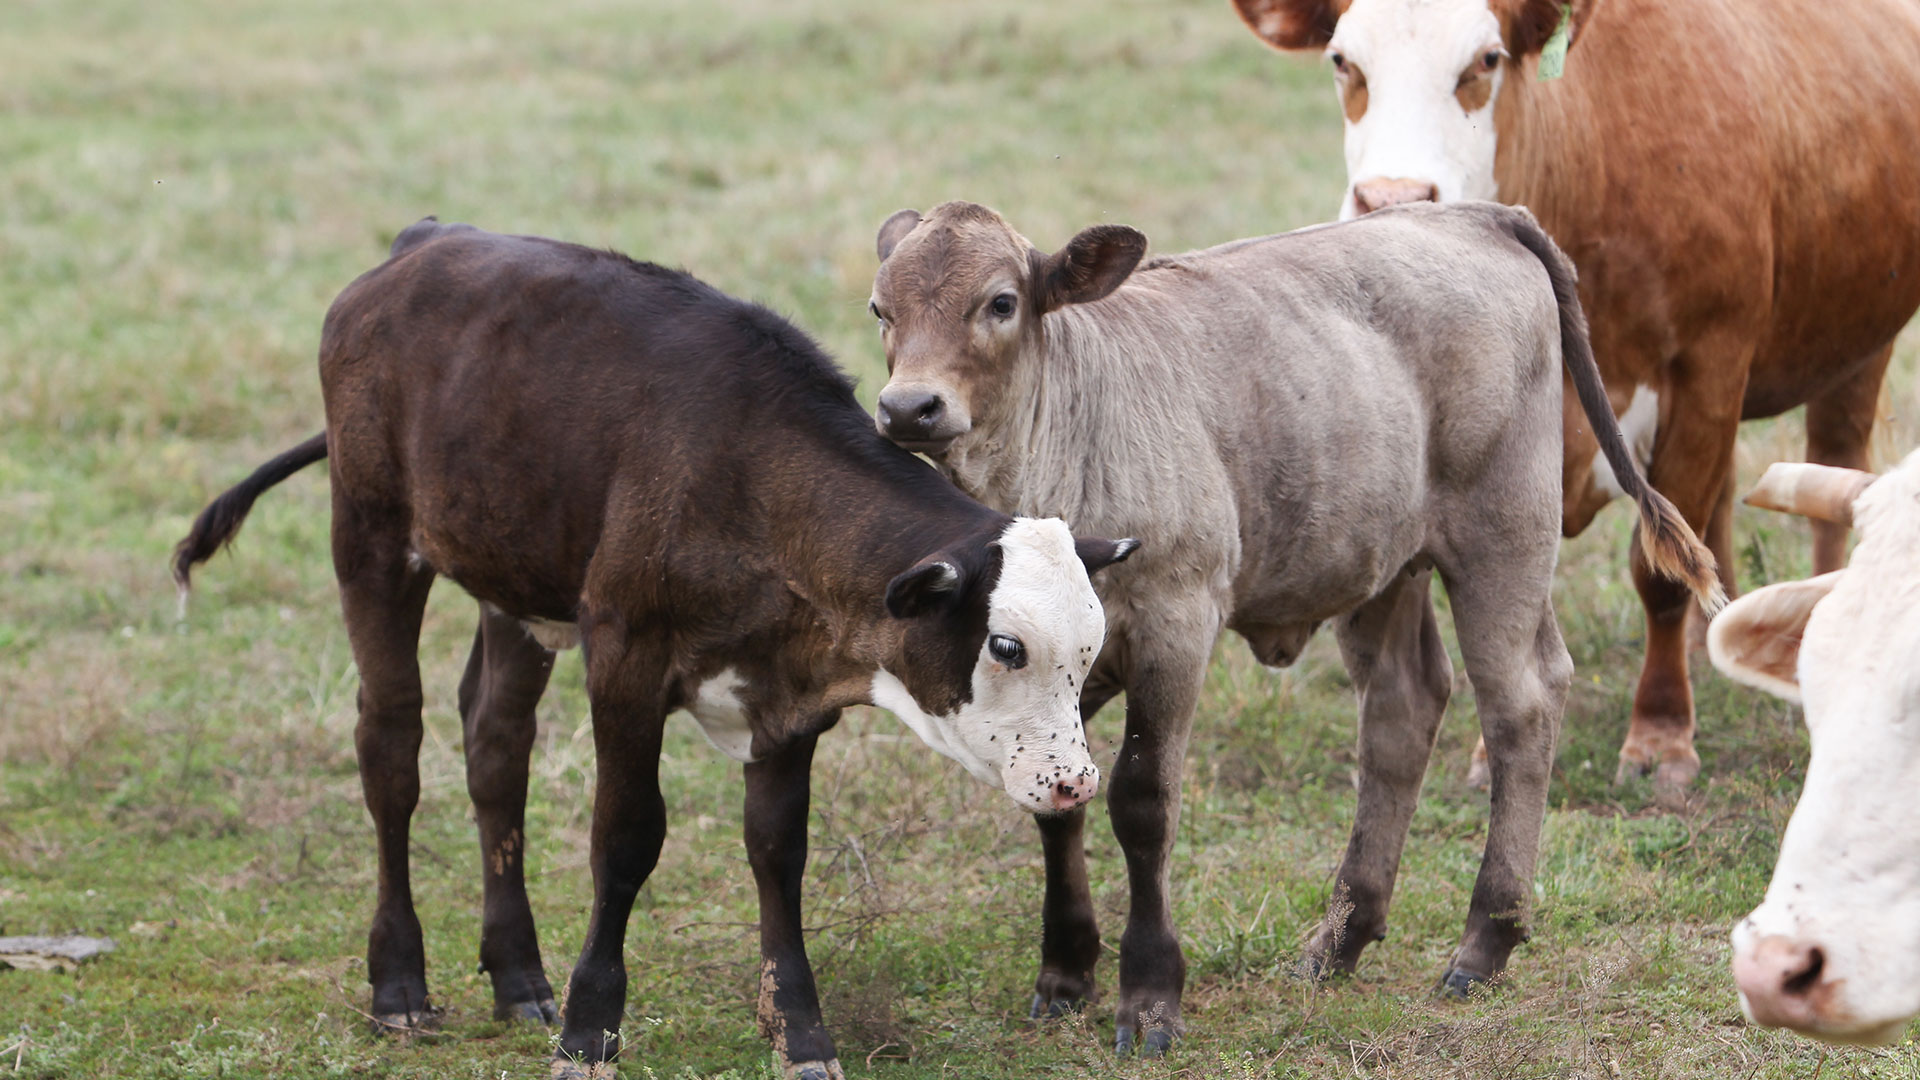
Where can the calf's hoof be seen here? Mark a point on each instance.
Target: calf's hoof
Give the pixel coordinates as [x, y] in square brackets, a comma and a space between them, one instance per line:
[1479, 772]
[815, 1070]
[566, 1068]
[1155, 1043]
[1459, 985]
[1046, 1008]
[543, 1013]
[422, 1021]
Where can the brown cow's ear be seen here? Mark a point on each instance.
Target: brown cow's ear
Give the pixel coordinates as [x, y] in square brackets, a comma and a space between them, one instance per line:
[1525, 25]
[895, 229]
[924, 588]
[1100, 554]
[1756, 639]
[1292, 24]
[1092, 265]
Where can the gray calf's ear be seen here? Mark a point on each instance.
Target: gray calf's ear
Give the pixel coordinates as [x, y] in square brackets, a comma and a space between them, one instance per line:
[1092, 265]
[895, 229]
[922, 589]
[1098, 554]
[1291, 24]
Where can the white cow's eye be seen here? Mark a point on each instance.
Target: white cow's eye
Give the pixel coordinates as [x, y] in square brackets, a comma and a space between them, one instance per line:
[1339, 62]
[1491, 60]
[1007, 649]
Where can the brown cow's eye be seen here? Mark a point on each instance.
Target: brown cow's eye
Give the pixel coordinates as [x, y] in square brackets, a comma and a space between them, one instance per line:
[1007, 649]
[1003, 305]
[875, 310]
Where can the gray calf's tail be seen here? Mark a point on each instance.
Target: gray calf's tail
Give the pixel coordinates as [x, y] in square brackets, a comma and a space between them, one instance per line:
[1669, 542]
[217, 524]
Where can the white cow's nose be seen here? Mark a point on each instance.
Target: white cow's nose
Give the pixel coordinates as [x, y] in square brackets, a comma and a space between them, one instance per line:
[1782, 981]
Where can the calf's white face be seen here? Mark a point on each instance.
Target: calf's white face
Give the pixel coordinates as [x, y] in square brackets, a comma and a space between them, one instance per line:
[1834, 949]
[1021, 729]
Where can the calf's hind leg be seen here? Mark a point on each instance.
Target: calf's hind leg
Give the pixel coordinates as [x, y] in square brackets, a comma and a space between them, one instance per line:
[1520, 672]
[1400, 670]
[506, 674]
[382, 598]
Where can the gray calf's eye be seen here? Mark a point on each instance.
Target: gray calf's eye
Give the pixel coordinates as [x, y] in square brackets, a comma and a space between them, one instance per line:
[1003, 305]
[1007, 649]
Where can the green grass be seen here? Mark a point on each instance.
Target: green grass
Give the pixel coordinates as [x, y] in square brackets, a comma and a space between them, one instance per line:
[183, 188]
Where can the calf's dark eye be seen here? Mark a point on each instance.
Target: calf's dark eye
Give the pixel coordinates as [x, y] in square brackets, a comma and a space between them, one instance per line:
[1003, 305]
[1007, 649]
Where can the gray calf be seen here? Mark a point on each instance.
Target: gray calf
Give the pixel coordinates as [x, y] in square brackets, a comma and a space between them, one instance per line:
[1300, 428]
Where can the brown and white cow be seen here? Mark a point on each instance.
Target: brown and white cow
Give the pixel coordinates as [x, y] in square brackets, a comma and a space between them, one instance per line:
[1738, 182]
[1302, 429]
[617, 455]
[1834, 950]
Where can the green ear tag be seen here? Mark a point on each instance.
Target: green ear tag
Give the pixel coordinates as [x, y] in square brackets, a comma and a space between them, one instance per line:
[1553, 56]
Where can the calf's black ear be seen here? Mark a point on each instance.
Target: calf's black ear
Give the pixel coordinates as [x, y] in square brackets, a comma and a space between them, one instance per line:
[922, 589]
[1093, 264]
[1098, 554]
[895, 229]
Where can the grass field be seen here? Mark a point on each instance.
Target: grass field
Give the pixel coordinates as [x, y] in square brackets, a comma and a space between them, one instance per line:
[184, 187]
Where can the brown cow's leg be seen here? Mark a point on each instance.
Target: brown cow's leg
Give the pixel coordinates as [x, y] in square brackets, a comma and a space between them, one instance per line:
[1163, 685]
[382, 599]
[1403, 678]
[776, 835]
[506, 675]
[1692, 459]
[1069, 932]
[624, 689]
[1840, 432]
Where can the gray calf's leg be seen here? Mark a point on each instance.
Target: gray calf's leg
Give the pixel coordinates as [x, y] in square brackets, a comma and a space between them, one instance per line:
[506, 674]
[382, 599]
[1069, 933]
[624, 679]
[1163, 684]
[1520, 671]
[1401, 673]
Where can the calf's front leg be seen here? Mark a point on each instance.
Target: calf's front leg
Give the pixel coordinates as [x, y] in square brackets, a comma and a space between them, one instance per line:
[629, 826]
[1163, 685]
[776, 836]
[1069, 933]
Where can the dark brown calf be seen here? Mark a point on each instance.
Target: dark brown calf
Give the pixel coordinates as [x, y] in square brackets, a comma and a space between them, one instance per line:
[609, 451]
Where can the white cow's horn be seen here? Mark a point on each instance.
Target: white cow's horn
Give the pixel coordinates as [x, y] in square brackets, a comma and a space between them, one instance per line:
[1816, 491]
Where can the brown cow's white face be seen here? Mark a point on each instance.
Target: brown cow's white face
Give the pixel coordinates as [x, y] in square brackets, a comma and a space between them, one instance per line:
[1834, 950]
[1417, 81]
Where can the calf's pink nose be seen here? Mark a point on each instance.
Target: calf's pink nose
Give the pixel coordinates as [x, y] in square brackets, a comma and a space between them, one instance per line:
[1782, 981]
[1068, 794]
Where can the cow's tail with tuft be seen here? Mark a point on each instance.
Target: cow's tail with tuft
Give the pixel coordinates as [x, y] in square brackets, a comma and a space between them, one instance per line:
[1669, 543]
[217, 524]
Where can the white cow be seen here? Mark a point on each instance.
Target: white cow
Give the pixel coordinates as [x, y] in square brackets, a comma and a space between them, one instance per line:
[1834, 950]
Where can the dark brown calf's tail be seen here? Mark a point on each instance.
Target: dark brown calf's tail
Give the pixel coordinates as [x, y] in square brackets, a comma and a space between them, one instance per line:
[1669, 542]
[217, 524]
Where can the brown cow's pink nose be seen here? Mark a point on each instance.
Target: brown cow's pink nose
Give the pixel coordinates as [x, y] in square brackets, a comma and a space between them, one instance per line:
[1782, 981]
[1375, 194]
